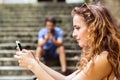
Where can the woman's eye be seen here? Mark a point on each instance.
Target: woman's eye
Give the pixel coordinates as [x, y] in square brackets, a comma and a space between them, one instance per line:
[77, 28]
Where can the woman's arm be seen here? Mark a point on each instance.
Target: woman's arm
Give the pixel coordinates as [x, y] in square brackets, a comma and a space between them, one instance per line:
[27, 60]
[56, 75]
[53, 73]
[39, 72]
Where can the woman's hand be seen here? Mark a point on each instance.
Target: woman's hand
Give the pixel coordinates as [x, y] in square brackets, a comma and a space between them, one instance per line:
[25, 58]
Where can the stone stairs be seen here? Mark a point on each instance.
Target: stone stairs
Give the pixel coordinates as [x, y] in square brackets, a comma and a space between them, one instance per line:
[22, 22]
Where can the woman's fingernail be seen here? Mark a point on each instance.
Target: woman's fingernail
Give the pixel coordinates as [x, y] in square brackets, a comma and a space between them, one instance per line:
[19, 52]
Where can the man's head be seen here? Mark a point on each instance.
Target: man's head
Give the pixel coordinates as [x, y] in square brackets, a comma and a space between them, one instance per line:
[50, 23]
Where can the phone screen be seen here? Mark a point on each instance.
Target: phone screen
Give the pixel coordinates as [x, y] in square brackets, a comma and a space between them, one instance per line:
[19, 45]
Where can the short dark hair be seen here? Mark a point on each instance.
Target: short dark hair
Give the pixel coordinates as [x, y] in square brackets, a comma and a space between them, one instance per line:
[51, 19]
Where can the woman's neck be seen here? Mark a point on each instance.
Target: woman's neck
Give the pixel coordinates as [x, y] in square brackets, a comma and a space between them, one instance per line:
[85, 49]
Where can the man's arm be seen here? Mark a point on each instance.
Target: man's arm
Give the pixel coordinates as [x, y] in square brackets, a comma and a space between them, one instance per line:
[57, 42]
[39, 50]
[41, 42]
[42, 38]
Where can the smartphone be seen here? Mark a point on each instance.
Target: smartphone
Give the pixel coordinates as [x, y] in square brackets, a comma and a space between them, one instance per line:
[18, 44]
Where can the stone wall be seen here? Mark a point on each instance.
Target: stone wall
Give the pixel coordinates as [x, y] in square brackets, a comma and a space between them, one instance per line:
[22, 22]
[114, 7]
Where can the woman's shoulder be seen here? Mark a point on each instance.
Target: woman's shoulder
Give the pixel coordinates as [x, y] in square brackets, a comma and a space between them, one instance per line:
[101, 60]
[98, 67]
[104, 54]
[102, 57]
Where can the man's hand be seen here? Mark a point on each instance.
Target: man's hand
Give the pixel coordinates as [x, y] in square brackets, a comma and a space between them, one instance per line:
[49, 36]
[57, 42]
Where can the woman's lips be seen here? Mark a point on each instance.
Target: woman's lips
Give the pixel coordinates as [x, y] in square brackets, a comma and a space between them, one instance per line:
[78, 40]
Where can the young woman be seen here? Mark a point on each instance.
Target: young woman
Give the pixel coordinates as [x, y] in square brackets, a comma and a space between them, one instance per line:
[97, 34]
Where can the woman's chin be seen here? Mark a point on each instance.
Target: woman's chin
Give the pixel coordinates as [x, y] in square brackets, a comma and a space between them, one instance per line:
[81, 45]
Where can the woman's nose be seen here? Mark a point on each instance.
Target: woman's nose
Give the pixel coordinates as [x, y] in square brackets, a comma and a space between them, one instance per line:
[74, 35]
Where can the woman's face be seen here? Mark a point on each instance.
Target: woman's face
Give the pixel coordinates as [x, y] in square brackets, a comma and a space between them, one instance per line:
[80, 32]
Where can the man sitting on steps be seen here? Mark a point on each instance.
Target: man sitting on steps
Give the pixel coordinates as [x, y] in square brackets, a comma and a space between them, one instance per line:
[50, 40]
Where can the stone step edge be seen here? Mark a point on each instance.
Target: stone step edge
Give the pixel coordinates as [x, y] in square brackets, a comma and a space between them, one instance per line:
[13, 51]
[16, 77]
[13, 59]
[13, 44]
[16, 68]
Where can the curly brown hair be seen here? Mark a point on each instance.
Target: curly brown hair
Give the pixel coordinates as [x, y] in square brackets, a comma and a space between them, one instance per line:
[104, 35]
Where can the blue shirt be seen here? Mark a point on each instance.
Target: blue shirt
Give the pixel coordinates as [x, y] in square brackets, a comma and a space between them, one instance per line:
[58, 33]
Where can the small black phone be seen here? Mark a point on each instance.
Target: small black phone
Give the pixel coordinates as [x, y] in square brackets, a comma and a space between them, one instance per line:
[18, 44]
